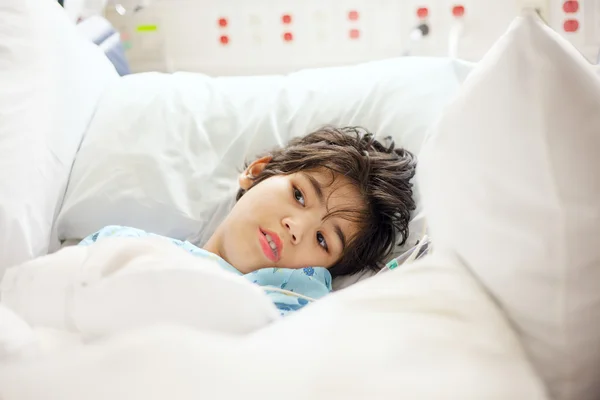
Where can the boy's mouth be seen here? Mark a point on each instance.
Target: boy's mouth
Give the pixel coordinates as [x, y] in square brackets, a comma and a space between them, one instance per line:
[271, 244]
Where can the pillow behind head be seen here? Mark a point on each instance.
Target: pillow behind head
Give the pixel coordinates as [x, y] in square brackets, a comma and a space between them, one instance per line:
[510, 185]
[164, 152]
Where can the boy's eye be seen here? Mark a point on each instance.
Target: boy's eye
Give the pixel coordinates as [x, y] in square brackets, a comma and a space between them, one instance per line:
[321, 241]
[298, 196]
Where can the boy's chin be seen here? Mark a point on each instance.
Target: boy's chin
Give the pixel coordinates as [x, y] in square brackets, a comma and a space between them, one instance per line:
[244, 267]
[244, 270]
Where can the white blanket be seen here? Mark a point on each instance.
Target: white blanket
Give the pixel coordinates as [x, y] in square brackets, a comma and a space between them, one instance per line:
[121, 284]
[424, 332]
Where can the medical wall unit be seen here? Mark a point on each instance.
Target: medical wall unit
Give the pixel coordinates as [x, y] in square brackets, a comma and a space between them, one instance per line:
[236, 37]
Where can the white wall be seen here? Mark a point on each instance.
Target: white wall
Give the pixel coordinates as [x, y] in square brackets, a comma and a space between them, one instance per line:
[171, 35]
[83, 8]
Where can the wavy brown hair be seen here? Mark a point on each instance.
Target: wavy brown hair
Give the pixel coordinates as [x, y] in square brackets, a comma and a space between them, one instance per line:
[382, 174]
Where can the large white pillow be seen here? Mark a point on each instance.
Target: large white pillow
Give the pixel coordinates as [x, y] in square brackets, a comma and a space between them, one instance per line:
[511, 186]
[50, 80]
[163, 152]
[424, 333]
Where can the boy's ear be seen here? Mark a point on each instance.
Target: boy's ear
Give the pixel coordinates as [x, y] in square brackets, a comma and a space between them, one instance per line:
[247, 177]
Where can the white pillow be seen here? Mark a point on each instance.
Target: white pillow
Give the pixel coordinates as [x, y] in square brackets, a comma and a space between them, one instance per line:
[163, 152]
[51, 80]
[511, 187]
[122, 284]
[423, 333]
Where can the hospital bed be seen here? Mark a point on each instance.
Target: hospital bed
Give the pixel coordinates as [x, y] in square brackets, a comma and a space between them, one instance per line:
[491, 314]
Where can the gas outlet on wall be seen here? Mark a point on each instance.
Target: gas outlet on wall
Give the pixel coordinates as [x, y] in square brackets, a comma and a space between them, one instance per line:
[542, 7]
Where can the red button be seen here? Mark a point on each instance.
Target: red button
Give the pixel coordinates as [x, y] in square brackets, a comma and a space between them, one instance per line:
[222, 22]
[224, 40]
[353, 15]
[354, 33]
[286, 19]
[458, 11]
[571, 6]
[288, 37]
[571, 25]
[422, 12]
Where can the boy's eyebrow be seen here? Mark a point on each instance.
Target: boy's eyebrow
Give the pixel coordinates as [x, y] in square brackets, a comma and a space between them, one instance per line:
[319, 191]
[316, 187]
[341, 235]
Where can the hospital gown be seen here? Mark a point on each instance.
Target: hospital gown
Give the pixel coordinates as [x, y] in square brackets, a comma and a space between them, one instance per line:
[311, 282]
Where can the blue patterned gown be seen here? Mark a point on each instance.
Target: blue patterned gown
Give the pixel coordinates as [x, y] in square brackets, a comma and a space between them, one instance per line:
[312, 282]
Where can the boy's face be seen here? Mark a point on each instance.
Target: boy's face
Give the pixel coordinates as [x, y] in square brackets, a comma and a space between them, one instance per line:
[280, 221]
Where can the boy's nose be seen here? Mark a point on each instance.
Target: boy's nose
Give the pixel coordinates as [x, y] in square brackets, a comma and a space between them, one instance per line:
[293, 229]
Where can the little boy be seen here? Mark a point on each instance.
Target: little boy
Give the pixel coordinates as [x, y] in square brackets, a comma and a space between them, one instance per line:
[332, 203]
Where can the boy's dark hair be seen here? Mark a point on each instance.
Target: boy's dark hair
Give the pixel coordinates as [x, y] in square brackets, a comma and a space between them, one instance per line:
[382, 174]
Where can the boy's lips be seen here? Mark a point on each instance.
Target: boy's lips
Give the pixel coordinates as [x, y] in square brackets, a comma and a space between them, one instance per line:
[273, 254]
